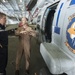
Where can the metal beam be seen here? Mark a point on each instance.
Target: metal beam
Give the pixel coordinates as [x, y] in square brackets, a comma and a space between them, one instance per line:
[31, 4]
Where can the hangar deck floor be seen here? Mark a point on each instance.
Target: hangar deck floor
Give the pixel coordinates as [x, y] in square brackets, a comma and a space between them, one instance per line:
[36, 61]
[37, 64]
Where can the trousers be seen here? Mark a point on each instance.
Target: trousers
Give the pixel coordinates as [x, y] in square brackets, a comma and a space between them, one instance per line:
[3, 59]
[24, 48]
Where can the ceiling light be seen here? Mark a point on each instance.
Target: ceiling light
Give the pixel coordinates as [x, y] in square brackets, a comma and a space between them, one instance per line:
[20, 0]
[4, 0]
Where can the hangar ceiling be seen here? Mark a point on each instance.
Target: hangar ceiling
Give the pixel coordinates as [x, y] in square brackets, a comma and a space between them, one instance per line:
[14, 7]
[18, 8]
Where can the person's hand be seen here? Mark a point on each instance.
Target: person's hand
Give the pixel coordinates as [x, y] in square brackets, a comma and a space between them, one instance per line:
[1, 46]
[23, 32]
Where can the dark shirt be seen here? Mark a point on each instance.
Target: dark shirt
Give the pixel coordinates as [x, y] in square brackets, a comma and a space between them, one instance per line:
[3, 36]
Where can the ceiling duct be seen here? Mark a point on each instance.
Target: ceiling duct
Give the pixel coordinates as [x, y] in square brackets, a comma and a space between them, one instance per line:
[31, 4]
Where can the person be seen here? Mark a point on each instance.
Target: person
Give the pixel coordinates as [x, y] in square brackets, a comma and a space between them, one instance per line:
[25, 32]
[3, 44]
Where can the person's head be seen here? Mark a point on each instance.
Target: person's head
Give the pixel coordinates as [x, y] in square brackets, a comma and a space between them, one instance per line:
[2, 18]
[24, 20]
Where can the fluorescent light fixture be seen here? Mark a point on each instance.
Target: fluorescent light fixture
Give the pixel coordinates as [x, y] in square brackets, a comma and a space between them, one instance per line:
[20, 0]
[4, 0]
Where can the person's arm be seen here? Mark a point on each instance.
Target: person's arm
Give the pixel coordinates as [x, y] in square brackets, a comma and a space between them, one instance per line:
[23, 32]
[32, 32]
[3, 38]
[17, 32]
